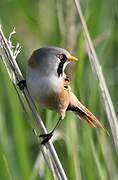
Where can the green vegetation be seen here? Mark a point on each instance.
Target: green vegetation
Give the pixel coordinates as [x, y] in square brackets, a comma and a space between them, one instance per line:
[85, 153]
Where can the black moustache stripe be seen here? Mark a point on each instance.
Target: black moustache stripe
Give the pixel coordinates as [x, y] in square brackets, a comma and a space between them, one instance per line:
[60, 67]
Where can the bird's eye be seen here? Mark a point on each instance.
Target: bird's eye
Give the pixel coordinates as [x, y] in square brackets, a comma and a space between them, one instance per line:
[62, 57]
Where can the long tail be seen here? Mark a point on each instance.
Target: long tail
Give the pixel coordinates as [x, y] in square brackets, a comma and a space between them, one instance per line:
[77, 107]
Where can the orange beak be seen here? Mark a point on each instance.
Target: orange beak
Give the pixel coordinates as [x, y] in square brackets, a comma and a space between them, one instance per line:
[72, 58]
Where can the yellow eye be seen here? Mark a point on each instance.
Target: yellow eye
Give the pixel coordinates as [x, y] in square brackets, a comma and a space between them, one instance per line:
[60, 56]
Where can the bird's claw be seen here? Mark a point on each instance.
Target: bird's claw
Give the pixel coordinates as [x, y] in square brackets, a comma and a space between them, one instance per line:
[46, 137]
[22, 84]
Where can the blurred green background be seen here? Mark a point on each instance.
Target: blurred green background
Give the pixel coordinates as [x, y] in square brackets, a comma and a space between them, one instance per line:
[85, 153]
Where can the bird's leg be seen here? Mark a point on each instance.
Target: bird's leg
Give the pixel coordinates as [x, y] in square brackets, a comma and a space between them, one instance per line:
[47, 137]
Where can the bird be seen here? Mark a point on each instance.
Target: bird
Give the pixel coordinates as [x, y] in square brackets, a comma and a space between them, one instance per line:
[49, 85]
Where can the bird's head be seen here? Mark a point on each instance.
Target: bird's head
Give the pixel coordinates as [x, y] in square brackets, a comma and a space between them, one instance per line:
[51, 60]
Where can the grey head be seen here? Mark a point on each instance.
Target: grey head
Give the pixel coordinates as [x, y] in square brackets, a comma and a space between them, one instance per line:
[51, 60]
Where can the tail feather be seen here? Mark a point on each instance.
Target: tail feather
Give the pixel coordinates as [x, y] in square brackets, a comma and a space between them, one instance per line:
[77, 107]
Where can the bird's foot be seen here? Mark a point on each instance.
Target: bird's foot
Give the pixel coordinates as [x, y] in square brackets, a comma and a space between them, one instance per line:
[46, 137]
[22, 84]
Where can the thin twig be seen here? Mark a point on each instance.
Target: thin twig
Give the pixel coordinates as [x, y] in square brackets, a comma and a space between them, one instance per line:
[15, 74]
[99, 74]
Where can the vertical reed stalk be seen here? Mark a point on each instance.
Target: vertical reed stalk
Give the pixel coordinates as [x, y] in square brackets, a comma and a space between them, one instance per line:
[48, 150]
[99, 74]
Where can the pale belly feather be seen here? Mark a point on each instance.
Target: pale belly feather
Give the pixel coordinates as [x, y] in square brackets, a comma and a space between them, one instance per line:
[45, 89]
